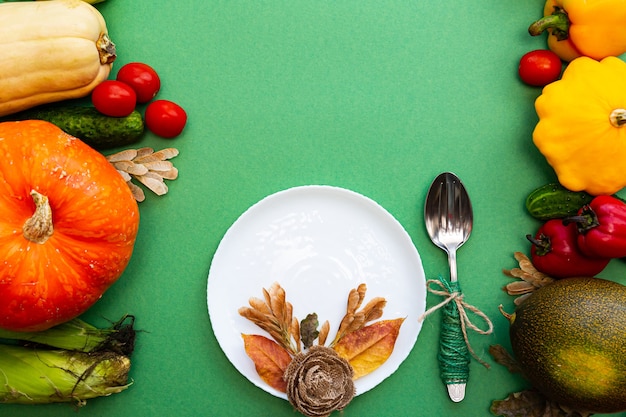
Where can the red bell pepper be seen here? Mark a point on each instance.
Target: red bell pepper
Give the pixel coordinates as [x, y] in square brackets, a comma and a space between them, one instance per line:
[602, 227]
[555, 252]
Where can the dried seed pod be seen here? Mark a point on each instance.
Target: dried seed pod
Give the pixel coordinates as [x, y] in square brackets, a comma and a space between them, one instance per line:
[146, 166]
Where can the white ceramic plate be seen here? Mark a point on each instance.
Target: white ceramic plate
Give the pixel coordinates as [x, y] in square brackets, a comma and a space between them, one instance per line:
[317, 242]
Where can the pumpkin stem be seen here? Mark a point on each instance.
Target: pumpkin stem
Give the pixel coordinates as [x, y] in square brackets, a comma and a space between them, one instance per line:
[618, 117]
[39, 227]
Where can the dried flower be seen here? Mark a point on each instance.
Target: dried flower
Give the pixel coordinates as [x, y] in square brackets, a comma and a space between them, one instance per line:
[319, 382]
[146, 166]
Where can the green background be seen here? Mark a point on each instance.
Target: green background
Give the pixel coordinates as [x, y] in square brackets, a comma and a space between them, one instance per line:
[375, 96]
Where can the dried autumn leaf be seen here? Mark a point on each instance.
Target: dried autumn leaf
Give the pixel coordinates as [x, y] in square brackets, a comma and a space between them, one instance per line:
[270, 359]
[369, 347]
[308, 330]
[530, 403]
[504, 358]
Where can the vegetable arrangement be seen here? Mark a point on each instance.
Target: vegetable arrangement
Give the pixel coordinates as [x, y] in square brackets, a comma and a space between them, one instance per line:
[567, 329]
[70, 217]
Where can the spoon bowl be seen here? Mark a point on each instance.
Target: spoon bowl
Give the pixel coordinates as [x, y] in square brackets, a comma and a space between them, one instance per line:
[448, 216]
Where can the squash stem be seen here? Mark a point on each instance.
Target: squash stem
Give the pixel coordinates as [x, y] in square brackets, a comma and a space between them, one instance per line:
[558, 22]
[39, 227]
[106, 49]
[618, 117]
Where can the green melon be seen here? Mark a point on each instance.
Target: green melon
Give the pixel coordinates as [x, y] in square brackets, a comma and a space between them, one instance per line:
[569, 339]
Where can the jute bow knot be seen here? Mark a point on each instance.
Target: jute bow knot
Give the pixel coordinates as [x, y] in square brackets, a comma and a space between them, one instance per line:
[452, 293]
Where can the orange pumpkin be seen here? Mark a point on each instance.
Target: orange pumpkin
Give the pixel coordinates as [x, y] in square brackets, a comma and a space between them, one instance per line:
[68, 224]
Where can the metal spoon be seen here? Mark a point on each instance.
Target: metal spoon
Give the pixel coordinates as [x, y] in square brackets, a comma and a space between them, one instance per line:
[448, 216]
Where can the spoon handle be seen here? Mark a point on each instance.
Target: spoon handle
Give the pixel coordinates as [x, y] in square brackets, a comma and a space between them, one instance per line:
[454, 357]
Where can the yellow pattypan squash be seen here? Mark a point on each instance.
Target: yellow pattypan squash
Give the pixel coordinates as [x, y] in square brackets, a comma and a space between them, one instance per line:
[582, 125]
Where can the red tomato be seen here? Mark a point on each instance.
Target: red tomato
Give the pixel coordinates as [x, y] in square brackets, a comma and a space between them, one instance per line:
[142, 78]
[165, 118]
[114, 98]
[540, 67]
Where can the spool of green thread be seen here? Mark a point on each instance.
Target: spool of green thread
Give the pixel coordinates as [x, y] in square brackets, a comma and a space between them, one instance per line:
[454, 356]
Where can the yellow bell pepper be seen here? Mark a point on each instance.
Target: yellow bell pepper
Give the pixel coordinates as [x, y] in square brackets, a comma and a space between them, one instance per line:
[593, 28]
[582, 125]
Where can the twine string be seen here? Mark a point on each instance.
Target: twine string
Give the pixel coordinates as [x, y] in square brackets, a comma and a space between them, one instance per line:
[452, 293]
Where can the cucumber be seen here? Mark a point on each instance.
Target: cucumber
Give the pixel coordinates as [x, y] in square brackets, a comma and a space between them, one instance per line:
[553, 201]
[88, 124]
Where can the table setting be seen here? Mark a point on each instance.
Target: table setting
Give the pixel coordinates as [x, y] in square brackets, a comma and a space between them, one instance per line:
[351, 182]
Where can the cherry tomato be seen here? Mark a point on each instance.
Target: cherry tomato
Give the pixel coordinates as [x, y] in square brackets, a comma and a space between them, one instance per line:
[165, 118]
[142, 78]
[114, 98]
[540, 67]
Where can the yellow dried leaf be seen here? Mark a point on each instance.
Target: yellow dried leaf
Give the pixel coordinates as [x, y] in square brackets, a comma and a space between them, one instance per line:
[368, 348]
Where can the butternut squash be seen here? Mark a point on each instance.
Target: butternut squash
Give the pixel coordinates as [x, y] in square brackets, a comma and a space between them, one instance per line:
[51, 51]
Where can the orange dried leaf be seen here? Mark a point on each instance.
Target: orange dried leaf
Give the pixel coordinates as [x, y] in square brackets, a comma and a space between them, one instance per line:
[270, 359]
[369, 347]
